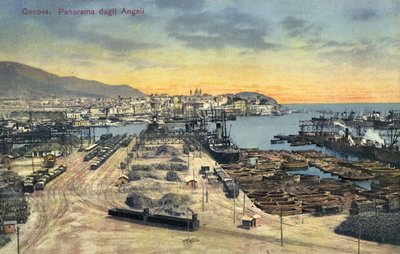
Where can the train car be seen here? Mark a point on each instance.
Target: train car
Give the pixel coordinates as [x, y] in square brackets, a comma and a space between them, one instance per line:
[33, 177]
[105, 137]
[52, 175]
[42, 171]
[49, 161]
[92, 154]
[62, 168]
[157, 219]
[45, 179]
[29, 187]
[126, 141]
[232, 190]
[57, 172]
[94, 165]
[91, 147]
[40, 185]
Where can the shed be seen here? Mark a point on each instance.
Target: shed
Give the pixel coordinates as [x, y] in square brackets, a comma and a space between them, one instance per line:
[247, 222]
[256, 220]
[45, 149]
[192, 183]
[123, 179]
[327, 209]
[9, 227]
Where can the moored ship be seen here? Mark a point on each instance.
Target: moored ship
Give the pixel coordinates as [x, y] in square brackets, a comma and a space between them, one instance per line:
[220, 146]
[387, 155]
[219, 143]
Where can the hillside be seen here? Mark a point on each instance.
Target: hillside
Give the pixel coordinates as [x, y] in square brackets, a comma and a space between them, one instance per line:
[250, 95]
[18, 80]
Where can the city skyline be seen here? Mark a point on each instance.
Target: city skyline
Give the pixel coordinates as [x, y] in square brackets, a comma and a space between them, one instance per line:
[295, 52]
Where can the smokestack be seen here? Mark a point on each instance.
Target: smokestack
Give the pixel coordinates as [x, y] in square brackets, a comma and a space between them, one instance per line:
[219, 131]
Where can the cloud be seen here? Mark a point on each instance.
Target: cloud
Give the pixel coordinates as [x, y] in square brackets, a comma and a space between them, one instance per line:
[94, 37]
[337, 44]
[79, 29]
[300, 28]
[228, 27]
[381, 54]
[324, 44]
[363, 15]
[292, 23]
[114, 44]
[180, 4]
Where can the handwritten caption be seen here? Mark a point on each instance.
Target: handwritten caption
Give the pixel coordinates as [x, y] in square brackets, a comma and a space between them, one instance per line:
[80, 12]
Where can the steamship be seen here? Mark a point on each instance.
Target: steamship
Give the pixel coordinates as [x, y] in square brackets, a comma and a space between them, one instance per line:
[220, 145]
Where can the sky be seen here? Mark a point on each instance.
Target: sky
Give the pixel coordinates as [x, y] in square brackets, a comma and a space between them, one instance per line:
[309, 51]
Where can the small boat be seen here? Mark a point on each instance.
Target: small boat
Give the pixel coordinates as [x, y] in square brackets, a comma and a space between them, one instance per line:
[295, 165]
[300, 143]
[277, 141]
[281, 137]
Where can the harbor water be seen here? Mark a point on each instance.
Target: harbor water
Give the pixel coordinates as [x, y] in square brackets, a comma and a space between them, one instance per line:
[257, 131]
[323, 175]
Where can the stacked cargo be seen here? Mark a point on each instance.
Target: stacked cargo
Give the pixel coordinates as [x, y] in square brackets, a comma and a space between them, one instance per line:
[13, 203]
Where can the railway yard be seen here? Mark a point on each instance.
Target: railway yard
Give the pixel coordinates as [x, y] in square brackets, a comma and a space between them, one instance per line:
[71, 214]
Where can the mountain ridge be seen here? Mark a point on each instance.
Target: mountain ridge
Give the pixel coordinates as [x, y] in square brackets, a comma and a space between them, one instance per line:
[18, 80]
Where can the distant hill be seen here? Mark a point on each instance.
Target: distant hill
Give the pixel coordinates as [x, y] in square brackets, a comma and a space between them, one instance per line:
[18, 80]
[251, 95]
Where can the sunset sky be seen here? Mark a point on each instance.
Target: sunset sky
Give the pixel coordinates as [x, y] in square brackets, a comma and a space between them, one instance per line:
[295, 51]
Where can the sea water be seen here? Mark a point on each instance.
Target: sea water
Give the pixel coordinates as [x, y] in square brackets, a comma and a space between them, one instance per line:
[257, 131]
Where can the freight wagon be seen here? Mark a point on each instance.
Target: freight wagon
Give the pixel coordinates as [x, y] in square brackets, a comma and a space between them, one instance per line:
[39, 179]
[91, 147]
[157, 219]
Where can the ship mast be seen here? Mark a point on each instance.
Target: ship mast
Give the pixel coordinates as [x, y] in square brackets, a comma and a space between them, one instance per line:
[393, 134]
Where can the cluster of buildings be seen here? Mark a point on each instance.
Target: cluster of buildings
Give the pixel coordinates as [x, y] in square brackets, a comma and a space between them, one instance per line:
[88, 111]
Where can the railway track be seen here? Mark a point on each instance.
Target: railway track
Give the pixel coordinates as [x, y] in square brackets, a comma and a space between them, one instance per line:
[92, 193]
[52, 203]
[41, 201]
[32, 237]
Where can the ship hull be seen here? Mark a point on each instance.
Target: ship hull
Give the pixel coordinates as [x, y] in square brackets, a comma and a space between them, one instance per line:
[392, 157]
[223, 157]
[372, 153]
[343, 147]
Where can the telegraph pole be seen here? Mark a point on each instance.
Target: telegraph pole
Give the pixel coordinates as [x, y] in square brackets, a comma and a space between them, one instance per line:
[189, 163]
[206, 195]
[127, 160]
[359, 237]
[202, 199]
[234, 204]
[244, 203]
[18, 239]
[200, 150]
[281, 228]
[33, 164]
